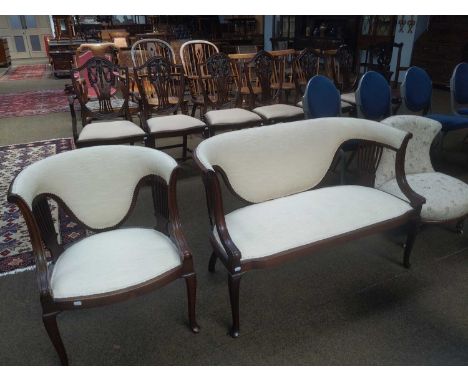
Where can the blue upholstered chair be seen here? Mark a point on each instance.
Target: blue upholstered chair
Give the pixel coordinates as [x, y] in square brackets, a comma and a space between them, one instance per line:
[459, 89]
[416, 92]
[373, 97]
[321, 98]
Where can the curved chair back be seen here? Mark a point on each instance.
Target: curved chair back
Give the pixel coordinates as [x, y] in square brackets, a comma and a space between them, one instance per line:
[416, 90]
[275, 161]
[417, 157]
[98, 185]
[305, 66]
[373, 97]
[459, 87]
[321, 98]
[143, 50]
[262, 68]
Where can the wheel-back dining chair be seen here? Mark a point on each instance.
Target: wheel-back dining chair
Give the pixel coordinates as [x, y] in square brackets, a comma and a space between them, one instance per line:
[192, 53]
[220, 95]
[416, 92]
[110, 85]
[143, 50]
[263, 67]
[161, 85]
[373, 97]
[98, 186]
[305, 66]
[446, 196]
[459, 89]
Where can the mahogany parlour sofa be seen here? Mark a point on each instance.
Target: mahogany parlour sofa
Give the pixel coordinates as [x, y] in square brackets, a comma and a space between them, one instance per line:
[278, 171]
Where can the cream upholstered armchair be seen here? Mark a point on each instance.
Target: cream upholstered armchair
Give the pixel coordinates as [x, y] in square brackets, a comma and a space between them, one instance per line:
[446, 197]
[98, 186]
[277, 171]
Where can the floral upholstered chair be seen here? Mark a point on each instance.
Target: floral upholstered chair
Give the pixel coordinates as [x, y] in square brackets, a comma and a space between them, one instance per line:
[446, 196]
[99, 186]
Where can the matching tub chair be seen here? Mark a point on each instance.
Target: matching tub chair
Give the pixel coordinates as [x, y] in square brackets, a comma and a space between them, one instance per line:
[277, 172]
[98, 187]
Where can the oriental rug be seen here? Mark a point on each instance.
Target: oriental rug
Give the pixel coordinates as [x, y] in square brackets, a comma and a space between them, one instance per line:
[36, 102]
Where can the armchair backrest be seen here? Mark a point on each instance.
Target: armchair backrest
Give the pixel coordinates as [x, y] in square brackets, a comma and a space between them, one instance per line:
[97, 184]
[459, 86]
[417, 159]
[143, 50]
[279, 160]
[373, 97]
[416, 90]
[321, 98]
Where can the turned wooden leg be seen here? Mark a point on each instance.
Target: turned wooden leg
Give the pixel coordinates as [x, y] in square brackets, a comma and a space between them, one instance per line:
[212, 263]
[191, 282]
[234, 284]
[50, 324]
[412, 232]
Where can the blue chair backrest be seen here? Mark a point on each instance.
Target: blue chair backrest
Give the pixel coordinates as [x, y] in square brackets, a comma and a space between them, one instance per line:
[416, 90]
[459, 83]
[321, 98]
[373, 96]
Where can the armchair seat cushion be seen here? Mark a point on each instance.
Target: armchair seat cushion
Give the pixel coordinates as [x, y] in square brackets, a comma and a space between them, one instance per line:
[277, 225]
[349, 98]
[233, 116]
[100, 131]
[446, 197]
[111, 261]
[175, 122]
[279, 111]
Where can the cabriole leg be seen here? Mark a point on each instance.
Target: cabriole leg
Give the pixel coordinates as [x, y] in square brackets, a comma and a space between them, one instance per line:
[50, 324]
[212, 263]
[412, 232]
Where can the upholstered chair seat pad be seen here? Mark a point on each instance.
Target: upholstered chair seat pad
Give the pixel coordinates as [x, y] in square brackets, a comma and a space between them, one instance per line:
[264, 229]
[231, 117]
[173, 123]
[446, 197]
[97, 131]
[450, 122]
[349, 98]
[116, 103]
[463, 111]
[278, 111]
[111, 261]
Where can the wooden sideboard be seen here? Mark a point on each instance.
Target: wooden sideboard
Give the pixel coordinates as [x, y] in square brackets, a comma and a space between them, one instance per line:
[62, 53]
[5, 59]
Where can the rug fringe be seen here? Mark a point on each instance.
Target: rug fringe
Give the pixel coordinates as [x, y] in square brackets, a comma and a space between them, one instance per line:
[19, 270]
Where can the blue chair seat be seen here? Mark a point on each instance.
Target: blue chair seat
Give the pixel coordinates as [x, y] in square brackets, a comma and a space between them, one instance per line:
[463, 111]
[450, 122]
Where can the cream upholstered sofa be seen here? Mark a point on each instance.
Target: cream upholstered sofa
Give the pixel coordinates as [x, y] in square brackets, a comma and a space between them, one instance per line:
[446, 196]
[98, 187]
[277, 171]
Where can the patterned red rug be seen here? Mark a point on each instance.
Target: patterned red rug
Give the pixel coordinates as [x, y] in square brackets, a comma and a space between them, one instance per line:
[37, 102]
[27, 72]
[15, 248]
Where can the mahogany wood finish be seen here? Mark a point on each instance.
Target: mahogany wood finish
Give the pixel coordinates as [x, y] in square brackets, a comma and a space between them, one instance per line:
[43, 235]
[369, 157]
[161, 86]
[305, 66]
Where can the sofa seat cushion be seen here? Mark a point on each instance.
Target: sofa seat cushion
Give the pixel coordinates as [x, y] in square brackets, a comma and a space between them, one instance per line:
[446, 197]
[177, 122]
[349, 98]
[111, 261]
[231, 117]
[100, 131]
[279, 111]
[267, 228]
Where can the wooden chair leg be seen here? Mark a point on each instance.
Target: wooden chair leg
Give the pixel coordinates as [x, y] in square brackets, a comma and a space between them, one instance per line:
[191, 283]
[412, 232]
[184, 147]
[50, 324]
[459, 226]
[212, 263]
[194, 109]
[234, 284]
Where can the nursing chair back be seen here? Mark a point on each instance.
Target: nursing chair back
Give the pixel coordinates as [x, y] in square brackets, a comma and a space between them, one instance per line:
[459, 89]
[416, 90]
[321, 98]
[373, 97]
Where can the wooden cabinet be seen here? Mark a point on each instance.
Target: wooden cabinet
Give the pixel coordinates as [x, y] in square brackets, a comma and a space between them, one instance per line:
[62, 54]
[5, 59]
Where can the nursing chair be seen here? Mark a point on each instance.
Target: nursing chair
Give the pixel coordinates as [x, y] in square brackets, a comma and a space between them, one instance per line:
[161, 86]
[263, 68]
[446, 196]
[99, 186]
[220, 96]
[459, 89]
[107, 119]
[373, 97]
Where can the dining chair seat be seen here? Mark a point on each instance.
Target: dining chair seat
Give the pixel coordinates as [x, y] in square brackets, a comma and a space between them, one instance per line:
[235, 116]
[174, 123]
[279, 111]
[105, 131]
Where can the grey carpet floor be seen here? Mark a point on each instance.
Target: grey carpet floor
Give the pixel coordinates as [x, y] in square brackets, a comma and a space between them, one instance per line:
[353, 304]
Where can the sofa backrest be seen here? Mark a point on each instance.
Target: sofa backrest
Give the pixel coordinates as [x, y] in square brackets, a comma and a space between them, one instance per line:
[417, 158]
[273, 161]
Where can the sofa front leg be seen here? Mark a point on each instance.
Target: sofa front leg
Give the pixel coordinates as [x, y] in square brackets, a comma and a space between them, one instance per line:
[212, 263]
[234, 284]
[412, 232]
